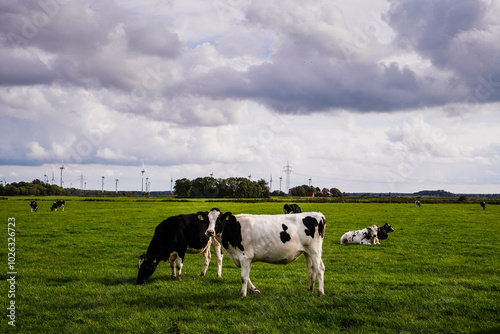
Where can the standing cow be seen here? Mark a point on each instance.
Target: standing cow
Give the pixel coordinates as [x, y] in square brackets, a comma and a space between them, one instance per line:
[176, 236]
[291, 208]
[483, 205]
[417, 203]
[33, 206]
[57, 204]
[278, 239]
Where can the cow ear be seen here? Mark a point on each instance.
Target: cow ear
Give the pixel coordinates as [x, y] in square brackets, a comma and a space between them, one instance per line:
[227, 215]
[154, 261]
[200, 217]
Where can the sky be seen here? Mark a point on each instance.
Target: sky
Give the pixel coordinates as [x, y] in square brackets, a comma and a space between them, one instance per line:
[361, 95]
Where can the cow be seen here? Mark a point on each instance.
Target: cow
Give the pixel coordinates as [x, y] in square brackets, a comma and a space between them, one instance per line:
[382, 231]
[366, 236]
[291, 208]
[278, 239]
[57, 204]
[417, 203]
[483, 205]
[33, 206]
[176, 236]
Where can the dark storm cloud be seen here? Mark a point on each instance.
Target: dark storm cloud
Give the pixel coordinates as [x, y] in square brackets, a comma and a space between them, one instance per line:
[88, 44]
[457, 35]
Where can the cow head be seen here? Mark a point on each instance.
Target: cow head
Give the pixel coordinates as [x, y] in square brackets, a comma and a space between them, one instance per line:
[213, 217]
[147, 266]
[386, 228]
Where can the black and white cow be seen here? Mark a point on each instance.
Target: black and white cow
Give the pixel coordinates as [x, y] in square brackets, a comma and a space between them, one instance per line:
[483, 205]
[278, 239]
[366, 236]
[176, 236]
[291, 208]
[57, 204]
[382, 231]
[417, 203]
[33, 206]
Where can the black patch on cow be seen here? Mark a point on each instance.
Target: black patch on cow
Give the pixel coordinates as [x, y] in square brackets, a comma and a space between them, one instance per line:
[310, 223]
[321, 227]
[232, 234]
[284, 236]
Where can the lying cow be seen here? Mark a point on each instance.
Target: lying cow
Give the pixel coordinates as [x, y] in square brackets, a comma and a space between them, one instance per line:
[382, 231]
[366, 236]
[33, 206]
[291, 208]
[483, 205]
[278, 239]
[176, 236]
[57, 204]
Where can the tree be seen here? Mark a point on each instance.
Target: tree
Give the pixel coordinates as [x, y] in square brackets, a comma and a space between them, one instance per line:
[336, 192]
[182, 188]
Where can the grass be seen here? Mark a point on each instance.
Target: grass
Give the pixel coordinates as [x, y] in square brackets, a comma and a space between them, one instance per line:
[438, 272]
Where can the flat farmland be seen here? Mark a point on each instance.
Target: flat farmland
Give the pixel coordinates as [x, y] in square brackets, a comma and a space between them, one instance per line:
[76, 270]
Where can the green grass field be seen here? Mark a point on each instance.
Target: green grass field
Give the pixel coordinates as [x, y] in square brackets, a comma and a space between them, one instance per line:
[439, 272]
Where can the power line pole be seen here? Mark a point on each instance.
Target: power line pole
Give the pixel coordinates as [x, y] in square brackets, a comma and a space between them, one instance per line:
[288, 170]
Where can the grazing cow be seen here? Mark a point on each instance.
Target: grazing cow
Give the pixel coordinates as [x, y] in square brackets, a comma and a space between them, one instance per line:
[33, 206]
[176, 236]
[57, 204]
[382, 231]
[417, 203]
[483, 205]
[278, 239]
[291, 208]
[366, 236]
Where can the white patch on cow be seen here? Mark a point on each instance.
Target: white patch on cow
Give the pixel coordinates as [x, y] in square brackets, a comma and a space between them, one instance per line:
[213, 215]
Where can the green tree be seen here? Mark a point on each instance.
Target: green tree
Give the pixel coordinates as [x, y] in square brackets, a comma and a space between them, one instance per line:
[182, 188]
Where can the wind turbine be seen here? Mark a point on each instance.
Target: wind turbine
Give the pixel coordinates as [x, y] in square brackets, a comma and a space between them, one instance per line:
[116, 185]
[142, 181]
[62, 167]
[102, 183]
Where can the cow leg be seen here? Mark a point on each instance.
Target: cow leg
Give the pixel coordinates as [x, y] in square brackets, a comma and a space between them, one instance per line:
[319, 269]
[206, 260]
[171, 260]
[218, 255]
[63, 207]
[179, 268]
[310, 271]
[246, 265]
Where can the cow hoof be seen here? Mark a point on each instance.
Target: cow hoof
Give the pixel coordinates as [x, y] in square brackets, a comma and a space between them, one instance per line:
[320, 293]
[179, 278]
[202, 274]
[256, 291]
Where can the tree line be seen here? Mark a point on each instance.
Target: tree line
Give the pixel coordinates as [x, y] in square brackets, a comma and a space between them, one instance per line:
[233, 187]
[34, 188]
[305, 190]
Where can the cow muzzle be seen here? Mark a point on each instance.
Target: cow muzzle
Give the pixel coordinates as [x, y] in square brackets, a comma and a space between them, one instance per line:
[210, 233]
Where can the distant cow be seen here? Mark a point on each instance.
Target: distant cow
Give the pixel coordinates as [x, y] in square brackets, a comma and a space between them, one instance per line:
[176, 236]
[382, 231]
[33, 206]
[483, 205]
[57, 204]
[278, 239]
[417, 203]
[366, 236]
[291, 208]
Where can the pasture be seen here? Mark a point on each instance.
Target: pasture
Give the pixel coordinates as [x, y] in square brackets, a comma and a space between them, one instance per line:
[76, 271]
